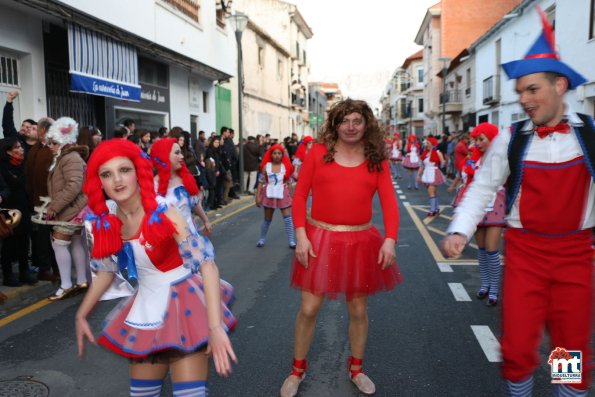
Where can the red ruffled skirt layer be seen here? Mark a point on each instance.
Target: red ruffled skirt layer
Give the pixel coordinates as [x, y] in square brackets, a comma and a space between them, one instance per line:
[284, 202]
[346, 264]
[185, 327]
[496, 217]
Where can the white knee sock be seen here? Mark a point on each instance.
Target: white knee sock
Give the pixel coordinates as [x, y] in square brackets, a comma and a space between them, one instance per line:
[79, 256]
[64, 261]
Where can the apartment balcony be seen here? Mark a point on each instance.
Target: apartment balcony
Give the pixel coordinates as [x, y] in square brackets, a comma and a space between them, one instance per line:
[491, 90]
[298, 102]
[451, 102]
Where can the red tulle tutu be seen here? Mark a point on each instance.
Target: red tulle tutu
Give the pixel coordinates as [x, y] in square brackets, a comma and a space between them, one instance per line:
[346, 263]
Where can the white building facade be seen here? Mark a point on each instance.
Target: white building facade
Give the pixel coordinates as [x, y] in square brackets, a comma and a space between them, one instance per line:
[175, 53]
[275, 61]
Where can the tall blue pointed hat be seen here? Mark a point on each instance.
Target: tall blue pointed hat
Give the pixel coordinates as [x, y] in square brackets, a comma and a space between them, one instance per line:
[543, 57]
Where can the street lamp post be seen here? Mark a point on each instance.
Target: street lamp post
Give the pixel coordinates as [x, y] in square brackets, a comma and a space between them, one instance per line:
[240, 21]
[445, 61]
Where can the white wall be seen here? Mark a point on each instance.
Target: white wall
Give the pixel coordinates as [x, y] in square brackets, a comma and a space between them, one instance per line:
[21, 36]
[158, 22]
[183, 85]
[179, 98]
[577, 50]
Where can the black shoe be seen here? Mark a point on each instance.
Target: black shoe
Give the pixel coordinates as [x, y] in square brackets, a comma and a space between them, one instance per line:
[11, 281]
[482, 293]
[28, 279]
[492, 302]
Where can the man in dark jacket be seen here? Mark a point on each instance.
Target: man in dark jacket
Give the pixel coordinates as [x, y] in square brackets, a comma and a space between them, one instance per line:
[232, 159]
[27, 134]
[36, 175]
[251, 163]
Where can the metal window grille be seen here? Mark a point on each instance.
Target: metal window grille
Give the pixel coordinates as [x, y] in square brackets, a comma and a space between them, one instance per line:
[9, 71]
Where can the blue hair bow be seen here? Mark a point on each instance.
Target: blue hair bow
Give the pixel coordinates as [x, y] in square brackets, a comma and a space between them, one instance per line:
[161, 163]
[126, 261]
[145, 155]
[472, 164]
[99, 220]
[155, 217]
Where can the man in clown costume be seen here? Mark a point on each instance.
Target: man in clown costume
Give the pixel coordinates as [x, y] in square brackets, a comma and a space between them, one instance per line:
[547, 164]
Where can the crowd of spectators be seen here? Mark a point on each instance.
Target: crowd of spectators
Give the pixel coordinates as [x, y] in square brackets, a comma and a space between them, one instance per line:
[26, 156]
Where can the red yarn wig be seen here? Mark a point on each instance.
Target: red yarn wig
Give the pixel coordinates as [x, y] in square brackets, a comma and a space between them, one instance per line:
[488, 129]
[267, 158]
[470, 164]
[160, 154]
[302, 149]
[107, 228]
[433, 153]
[412, 141]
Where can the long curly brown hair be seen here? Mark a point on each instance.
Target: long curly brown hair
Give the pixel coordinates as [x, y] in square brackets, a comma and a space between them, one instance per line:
[373, 138]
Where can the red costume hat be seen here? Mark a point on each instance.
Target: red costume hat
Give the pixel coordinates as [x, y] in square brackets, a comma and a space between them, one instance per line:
[488, 129]
[155, 227]
[543, 57]
[160, 156]
[267, 158]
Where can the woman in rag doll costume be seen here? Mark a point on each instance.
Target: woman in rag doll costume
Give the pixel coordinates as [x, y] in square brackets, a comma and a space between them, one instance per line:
[179, 315]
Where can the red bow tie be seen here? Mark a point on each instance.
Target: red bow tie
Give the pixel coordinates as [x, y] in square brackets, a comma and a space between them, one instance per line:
[562, 128]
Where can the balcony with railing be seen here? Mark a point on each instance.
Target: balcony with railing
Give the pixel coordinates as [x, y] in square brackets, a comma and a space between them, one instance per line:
[298, 101]
[451, 101]
[491, 90]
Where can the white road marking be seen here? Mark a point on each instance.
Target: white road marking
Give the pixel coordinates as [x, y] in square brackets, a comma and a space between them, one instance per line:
[406, 203]
[444, 268]
[470, 263]
[399, 192]
[459, 292]
[488, 342]
[402, 197]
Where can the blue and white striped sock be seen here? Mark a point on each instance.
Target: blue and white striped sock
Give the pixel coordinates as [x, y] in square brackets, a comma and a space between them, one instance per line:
[495, 270]
[197, 388]
[145, 387]
[519, 389]
[288, 220]
[568, 391]
[484, 269]
[433, 204]
[264, 229]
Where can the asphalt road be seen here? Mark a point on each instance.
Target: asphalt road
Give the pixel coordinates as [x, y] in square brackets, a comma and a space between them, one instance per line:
[428, 337]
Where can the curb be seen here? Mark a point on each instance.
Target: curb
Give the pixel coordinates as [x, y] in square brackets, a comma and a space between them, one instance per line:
[231, 207]
[25, 295]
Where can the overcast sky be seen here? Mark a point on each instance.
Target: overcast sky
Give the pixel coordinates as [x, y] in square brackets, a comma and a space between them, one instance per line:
[359, 44]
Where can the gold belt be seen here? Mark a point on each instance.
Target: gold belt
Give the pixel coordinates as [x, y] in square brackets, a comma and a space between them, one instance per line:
[338, 228]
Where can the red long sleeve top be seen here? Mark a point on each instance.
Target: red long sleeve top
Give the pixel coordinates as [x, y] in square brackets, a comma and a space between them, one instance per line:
[343, 195]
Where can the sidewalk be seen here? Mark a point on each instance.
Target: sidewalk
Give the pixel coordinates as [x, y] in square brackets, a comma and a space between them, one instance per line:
[27, 294]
